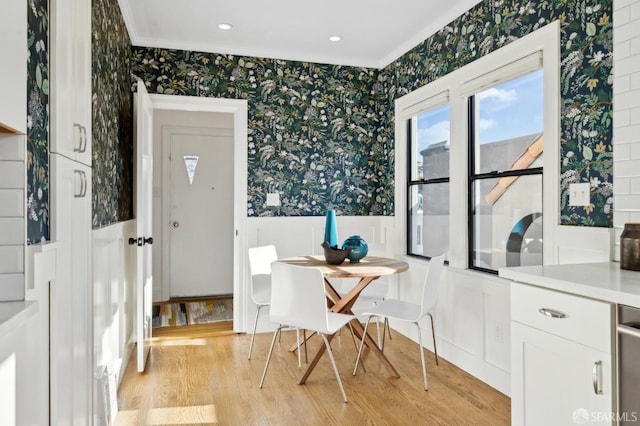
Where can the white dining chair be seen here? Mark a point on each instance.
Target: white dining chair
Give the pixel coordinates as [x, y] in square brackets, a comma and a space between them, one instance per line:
[401, 310]
[260, 259]
[298, 299]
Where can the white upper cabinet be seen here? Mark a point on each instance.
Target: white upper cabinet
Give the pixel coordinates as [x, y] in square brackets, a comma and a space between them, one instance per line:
[13, 72]
[71, 70]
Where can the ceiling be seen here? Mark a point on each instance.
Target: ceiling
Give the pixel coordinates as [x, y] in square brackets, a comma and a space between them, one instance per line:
[374, 32]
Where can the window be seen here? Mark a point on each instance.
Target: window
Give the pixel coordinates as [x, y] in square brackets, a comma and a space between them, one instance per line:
[505, 173]
[480, 145]
[428, 183]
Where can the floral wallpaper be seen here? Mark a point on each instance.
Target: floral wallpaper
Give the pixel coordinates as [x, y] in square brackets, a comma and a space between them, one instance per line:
[586, 153]
[322, 135]
[112, 126]
[312, 127]
[37, 122]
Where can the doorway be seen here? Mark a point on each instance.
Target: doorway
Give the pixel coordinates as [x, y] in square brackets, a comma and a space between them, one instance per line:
[198, 177]
[236, 112]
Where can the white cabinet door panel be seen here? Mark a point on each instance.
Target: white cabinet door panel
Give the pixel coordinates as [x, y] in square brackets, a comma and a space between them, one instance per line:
[558, 382]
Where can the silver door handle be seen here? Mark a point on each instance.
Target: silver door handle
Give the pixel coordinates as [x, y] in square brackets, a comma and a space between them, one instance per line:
[597, 388]
[551, 313]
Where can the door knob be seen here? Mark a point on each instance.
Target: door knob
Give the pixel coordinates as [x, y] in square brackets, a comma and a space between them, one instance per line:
[176, 224]
[148, 240]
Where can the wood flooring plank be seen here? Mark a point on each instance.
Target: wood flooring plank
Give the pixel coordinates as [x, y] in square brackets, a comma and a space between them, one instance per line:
[208, 380]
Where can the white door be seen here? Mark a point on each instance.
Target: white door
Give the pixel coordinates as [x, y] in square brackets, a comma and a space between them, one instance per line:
[201, 222]
[144, 191]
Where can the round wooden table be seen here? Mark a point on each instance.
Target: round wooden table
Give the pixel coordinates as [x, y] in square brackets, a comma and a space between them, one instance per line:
[368, 269]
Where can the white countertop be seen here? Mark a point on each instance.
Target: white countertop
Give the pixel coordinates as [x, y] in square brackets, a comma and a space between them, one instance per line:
[603, 281]
[14, 314]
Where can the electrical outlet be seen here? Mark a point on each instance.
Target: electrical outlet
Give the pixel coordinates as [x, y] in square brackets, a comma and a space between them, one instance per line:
[579, 194]
[273, 199]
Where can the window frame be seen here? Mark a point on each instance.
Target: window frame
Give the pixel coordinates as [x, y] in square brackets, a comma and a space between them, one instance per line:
[473, 177]
[544, 42]
[436, 101]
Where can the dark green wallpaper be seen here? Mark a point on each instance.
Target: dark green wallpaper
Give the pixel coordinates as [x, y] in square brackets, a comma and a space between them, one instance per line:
[322, 135]
[112, 116]
[586, 153]
[38, 122]
[312, 127]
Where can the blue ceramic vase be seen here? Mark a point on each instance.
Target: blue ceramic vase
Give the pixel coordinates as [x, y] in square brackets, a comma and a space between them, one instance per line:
[330, 229]
[357, 248]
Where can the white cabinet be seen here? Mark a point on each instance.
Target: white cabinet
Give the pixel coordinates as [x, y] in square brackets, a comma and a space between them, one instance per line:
[561, 358]
[71, 293]
[71, 79]
[13, 72]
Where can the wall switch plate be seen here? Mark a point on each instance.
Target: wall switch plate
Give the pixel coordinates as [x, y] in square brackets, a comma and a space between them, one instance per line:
[273, 199]
[579, 194]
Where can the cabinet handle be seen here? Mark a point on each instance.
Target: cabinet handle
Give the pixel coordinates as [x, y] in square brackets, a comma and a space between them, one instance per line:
[79, 146]
[629, 330]
[551, 313]
[83, 184]
[597, 388]
[83, 139]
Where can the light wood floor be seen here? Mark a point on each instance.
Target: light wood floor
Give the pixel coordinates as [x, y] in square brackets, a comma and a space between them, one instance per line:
[206, 379]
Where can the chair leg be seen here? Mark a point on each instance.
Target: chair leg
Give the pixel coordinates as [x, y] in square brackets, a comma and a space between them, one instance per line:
[266, 365]
[255, 325]
[433, 335]
[299, 354]
[364, 334]
[335, 368]
[424, 370]
[355, 345]
[304, 337]
[386, 324]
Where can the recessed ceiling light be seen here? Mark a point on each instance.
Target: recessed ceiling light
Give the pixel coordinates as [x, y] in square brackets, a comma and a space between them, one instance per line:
[225, 26]
[335, 38]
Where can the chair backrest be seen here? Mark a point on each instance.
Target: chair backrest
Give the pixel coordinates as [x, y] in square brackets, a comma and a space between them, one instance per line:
[432, 285]
[260, 259]
[298, 297]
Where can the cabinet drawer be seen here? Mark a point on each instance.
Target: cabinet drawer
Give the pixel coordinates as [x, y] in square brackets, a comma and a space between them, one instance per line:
[576, 318]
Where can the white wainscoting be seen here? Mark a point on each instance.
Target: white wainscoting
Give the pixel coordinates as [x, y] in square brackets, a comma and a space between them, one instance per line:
[114, 298]
[472, 321]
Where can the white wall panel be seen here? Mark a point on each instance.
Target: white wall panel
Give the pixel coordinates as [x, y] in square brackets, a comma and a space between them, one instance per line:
[12, 174]
[12, 230]
[114, 304]
[11, 202]
[11, 259]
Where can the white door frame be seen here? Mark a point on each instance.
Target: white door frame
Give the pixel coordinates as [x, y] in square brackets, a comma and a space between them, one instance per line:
[239, 109]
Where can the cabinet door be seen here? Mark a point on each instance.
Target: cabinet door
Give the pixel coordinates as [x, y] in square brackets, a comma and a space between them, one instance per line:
[63, 132]
[71, 295]
[82, 80]
[13, 76]
[71, 79]
[555, 381]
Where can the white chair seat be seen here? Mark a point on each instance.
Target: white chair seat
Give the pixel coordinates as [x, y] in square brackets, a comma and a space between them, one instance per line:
[336, 321]
[410, 312]
[395, 309]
